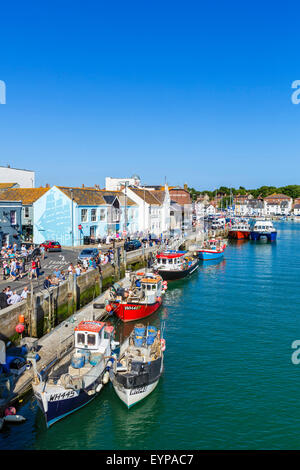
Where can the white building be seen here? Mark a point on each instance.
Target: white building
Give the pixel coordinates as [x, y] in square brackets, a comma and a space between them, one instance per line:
[24, 178]
[154, 209]
[278, 204]
[115, 184]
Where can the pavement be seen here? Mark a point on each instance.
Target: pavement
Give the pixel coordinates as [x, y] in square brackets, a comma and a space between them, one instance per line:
[52, 261]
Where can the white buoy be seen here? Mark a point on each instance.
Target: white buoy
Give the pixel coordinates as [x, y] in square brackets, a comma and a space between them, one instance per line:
[14, 419]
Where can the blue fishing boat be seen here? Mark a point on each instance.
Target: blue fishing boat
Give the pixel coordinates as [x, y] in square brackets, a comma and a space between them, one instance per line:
[211, 250]
[263, 229]
[78, 378]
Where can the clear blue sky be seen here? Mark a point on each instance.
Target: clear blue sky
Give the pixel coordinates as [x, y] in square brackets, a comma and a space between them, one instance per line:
[197, 92]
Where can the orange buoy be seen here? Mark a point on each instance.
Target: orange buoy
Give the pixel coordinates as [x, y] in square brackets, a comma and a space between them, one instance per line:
[108, 308]
[21, 319]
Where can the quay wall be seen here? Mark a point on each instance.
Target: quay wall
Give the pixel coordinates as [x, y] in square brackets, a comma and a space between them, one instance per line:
[49, 307]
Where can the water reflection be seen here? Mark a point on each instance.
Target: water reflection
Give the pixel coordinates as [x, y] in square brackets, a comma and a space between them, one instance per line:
[132, 427]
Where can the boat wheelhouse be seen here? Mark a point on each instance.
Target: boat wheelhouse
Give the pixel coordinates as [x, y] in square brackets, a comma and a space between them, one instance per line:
[173, 264]
[263, 229]
[140, 299]
[78, 377]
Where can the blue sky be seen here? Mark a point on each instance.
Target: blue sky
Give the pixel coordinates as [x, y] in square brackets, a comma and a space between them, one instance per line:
[197, 92]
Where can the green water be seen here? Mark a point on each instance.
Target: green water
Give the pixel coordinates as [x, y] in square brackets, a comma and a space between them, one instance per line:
[229, 382]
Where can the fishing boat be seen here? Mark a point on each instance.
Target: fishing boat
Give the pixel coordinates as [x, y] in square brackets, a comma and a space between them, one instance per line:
[141, 298]
[239, 230]
[79, 377]
[211, 249]
[263, 229]
[173, 264]
[140, 365]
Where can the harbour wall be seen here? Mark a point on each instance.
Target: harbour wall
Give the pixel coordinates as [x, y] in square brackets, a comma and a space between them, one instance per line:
[45, 309]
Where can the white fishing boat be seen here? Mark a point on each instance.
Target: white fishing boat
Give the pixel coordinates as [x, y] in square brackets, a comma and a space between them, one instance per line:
[140, 365]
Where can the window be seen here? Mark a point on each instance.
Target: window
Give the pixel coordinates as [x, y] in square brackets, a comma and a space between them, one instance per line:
[80, 338]
[26, 212]
[93, 215]
[13, 217]
[91, 340]
[84, 217]
[102, 214]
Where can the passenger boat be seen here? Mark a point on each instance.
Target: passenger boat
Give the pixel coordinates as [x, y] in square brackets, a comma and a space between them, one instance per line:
[141, 298]
[263, 228]
[173, 264]
[79, 377]
[239, 230]
[140, 365]
[211, 249]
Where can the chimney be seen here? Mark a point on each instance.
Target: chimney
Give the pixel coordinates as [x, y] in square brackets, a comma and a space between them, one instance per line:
[185, 186]
[83, 185]
[47, 185]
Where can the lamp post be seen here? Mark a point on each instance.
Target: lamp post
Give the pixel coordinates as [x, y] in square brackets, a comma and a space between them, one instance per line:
[72, 221]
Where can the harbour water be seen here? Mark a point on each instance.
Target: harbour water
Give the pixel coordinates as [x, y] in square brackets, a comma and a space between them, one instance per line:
[229, 381]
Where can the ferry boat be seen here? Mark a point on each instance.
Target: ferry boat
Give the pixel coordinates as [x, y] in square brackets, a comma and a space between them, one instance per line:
[173, 264]
[140, 365]
[79, 377]
[211, 249]
[141, 298]
[239, 230]
[263, 228]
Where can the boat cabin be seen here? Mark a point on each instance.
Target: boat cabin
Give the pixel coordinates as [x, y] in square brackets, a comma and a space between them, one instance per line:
[151, 286]
[170, 259]
[263, 226]
[92, 335]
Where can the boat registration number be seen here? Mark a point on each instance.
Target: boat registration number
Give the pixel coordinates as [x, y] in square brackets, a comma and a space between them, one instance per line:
[62, 396]
[132, 308]
[136, 391]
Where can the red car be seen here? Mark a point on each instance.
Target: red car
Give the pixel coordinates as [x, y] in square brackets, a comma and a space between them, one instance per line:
[51, 245]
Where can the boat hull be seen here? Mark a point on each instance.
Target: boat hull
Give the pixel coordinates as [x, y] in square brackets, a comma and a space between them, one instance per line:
[239, 234]
[207, 255]
[256, 236]
[134, 311]
[173, 275]
[56, 409]
[133, 396]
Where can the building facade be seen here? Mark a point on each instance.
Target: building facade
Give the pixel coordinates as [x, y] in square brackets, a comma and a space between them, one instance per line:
[10, 223]
[24, 178]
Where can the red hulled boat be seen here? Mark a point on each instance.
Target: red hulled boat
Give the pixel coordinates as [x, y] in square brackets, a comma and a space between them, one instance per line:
[240, 231]
[142, 298]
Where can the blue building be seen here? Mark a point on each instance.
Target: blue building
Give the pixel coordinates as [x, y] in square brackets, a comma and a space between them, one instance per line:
[67, 215]
[10, 222]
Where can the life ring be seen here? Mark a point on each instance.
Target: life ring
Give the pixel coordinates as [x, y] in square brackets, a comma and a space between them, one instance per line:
[163, 344]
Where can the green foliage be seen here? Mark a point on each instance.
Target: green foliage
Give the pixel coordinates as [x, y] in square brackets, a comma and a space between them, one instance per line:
[292, 190]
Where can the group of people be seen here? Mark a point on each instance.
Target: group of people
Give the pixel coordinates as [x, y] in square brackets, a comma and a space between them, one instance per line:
[9, 297]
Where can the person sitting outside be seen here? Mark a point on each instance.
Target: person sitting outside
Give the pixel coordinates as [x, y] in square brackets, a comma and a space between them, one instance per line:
[47, 283]
[13, 299]
[24, 293]
[3, 299]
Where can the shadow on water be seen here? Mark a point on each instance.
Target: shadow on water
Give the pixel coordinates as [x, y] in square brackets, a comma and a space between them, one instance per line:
[131, 427]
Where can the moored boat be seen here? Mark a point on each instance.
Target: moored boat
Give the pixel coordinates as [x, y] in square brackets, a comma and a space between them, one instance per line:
[140, 299]
[263, 229]
[139, 367]
[80, 376]
[239, 231]
[211, 249]
[173, 264]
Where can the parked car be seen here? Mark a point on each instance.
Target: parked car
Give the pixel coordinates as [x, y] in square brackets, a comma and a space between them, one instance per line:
[51, 245]
[88, 253]
[132, 245]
